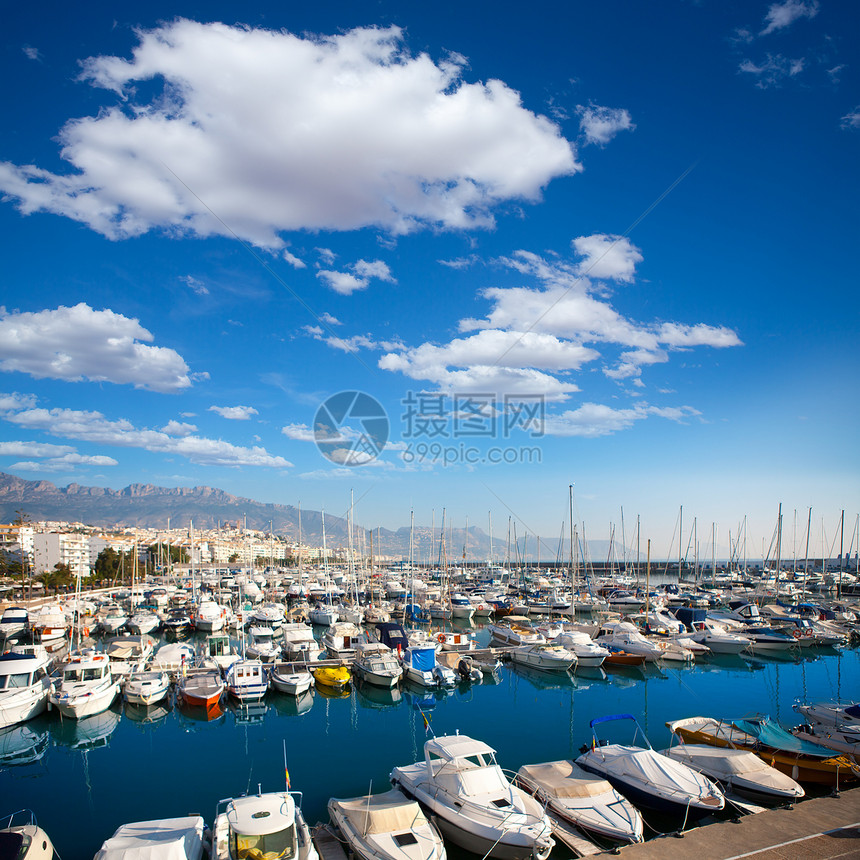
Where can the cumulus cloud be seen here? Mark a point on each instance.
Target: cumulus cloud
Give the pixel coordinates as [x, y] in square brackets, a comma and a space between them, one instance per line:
[605, 256]
[298, 432]
[773, 70]
[600, 124]
[234, 413]
[358, 278]
[63, 464]
[33, 449]
[277, 132]
[93, 427]
[328, 319]
[179, 428]
[782, 15]
[293, 260]
[535, 338]
[595, 419]
[80, 343]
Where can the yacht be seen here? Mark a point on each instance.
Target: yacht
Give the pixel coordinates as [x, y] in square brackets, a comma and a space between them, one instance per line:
[377, 664]
[261, 645]
[24, 686]
[261, 825]
[299, 642]
[461, 607]
[210, 616]
[549, 657]
[589, 654]
[515, 630]
[247, 680]
[14, 621]
[86, 687]
[474, 804]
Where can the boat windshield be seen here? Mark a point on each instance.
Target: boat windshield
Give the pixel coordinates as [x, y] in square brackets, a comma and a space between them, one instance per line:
[8, 682]
[268, 846]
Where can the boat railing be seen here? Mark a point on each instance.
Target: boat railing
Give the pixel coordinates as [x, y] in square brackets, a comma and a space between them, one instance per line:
[24, 817]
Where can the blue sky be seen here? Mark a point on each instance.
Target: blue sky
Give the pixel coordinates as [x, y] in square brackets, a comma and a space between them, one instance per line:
[637, 221]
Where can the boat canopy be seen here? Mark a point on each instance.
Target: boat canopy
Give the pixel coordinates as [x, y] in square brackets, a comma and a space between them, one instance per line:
[422, 658]
[165, 839]
[564, 779]
[768, 732]
[383, 813]
[261, 814]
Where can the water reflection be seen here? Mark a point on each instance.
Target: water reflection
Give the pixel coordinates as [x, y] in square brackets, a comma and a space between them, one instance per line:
[248, 713]
[378, 698]
[145, 715]
[86, 734]
[292, 706]
[191, 716]
[23, 744]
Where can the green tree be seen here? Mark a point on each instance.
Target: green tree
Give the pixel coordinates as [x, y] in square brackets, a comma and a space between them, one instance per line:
[233, 558]
[58, 577]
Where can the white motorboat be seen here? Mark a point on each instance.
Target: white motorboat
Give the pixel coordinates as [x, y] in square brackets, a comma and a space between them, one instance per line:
[24, 686]
[260, 826]
[210, 616]
[377, 664]
[86, 687]
[386, 826]
[341, 638]
[830, 713]
[291, 679]
[269, 614]
[549, 657]
[146, 688]
[21, 837]
[299, 642]
[738, 771]
[475, 805]
[48, 623]
[173, 656]
[625, 636]
[589, 654]
[247, 680]
[111, 617]
[718, 639]
[161, 839]
[455, 641]
[582, 799]
[218, 651]
[143, 621]
[515, 630]
[324, 615]
[261, 645]
[14, 622]
[649, 779]
[128, 654]
[421, 667]
[461, 607]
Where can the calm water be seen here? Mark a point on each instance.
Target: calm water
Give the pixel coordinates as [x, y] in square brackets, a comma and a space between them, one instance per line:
[83, 779]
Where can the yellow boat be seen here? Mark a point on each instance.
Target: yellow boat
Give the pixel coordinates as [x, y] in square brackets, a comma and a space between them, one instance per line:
[804, 763]
[332, 676]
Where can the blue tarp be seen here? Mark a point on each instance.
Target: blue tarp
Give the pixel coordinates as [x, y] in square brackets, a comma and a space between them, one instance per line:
[769, 733]
[423, 659]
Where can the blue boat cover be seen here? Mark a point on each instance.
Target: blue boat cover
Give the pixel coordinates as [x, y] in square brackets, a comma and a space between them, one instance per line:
[424, 659]
[853, 711]
[768, 732]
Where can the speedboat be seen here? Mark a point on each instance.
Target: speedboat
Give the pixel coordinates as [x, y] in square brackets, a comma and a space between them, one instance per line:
[21, 837]
[649, 779]
[164, 837]
[261, 645]
[247, 680]
[546, 656]
[210, 616]
[461, 607]
[291, 679]
[800, 759]
[261, 826]
[516, 630]
[386, 826]
[421, 667]
[475, 805]
[582, 799]
[111, 618]
[377, 664]
[832, 713]
[740, 771]
[143, 621]
[627, 637]
[24, 686]
[146, 688]
[86, 687]
[589, 654]
[324, 615]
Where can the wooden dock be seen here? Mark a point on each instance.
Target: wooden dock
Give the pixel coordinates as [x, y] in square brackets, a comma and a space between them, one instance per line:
[328, 846]
[823, 827]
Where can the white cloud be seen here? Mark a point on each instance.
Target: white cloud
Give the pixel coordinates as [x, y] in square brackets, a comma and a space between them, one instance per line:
[851, 120]
[773, 71]
[15, 401]
[358, 278]
[178, 428]
[234, 413]
[328, 319]
[276, 132]
[63, 464]
[298, 432]
[81, 343]
[594, 419]
[198, 286]
[605, 256]
[33, 449]
[293, 260]
[459, 263]
[94, 427]
[781, 15]
[351, 344]
[600, 124]
[32, 53]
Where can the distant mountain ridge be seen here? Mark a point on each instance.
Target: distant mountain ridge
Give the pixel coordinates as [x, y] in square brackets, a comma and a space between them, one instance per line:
[149, 506]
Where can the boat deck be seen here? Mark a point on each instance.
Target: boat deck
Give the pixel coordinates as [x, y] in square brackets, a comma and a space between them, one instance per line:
[824, 827]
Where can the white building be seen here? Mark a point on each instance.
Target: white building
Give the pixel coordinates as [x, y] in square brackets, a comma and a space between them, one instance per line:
[52, 548]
